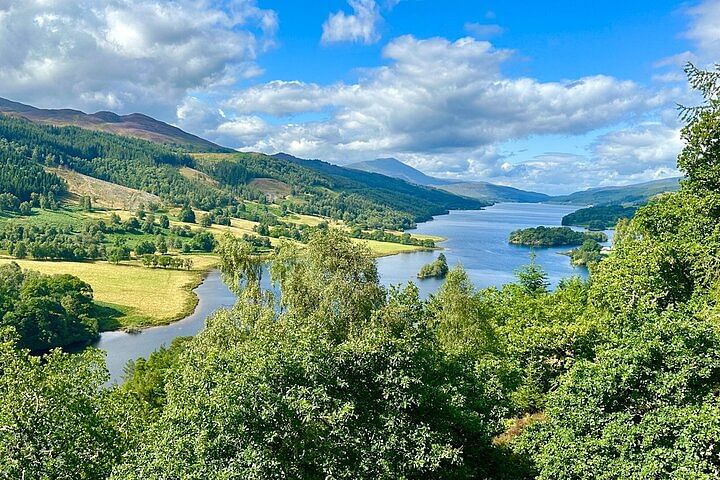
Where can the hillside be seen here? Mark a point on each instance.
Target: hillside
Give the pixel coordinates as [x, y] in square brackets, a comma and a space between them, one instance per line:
[134, 125]
[392, 167]
[483, 191]
[213, 180]
[495, 193]
[320, 188]
[629, 194]
[102, 193]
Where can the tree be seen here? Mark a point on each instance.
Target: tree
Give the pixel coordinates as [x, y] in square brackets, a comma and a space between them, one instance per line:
[118, 253]
[25, 208]
[144, 247]
[55, 423]
[203, 241]
[161, 244]
[532, 277]
[187, 215]
[47, 311]
[206, 220]
[164, 221]
[700, 158]
[282, 395]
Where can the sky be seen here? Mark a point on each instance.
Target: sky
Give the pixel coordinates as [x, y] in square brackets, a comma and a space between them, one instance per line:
[551, 96]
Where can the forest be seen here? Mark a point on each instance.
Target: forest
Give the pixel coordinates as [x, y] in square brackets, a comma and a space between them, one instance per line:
[599, 217]
[357, 198]
[553, 237]
[616, 377]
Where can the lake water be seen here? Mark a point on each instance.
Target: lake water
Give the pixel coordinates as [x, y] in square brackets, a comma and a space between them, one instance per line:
[478, 240]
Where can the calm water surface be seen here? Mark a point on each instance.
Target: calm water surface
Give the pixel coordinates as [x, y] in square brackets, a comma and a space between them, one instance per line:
[475, 239]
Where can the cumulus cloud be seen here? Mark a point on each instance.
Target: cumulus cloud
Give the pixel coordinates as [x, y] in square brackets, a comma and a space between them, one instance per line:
[360, 26]
[436, 96]
[633, 154]
[128, 54]
[705, 29]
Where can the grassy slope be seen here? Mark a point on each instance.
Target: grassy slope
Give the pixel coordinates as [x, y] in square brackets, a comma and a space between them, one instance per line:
[102, 193]
[141, 296]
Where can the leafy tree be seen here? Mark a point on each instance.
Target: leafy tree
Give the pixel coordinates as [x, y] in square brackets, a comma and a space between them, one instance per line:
[277, 394]
[144, 247]
[46, 311]
[54, 423]
[437, 269]
[532, 277]
[187, 214]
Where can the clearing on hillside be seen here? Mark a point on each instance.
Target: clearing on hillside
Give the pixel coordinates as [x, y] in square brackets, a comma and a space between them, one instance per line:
[273, 189]
[104, 194]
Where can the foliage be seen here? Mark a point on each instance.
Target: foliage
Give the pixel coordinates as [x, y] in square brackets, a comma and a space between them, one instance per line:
[278, 394]
[437, 269]
[552, 237]
[588, 253]
[54, 421]
[601, 217]
[46, 311]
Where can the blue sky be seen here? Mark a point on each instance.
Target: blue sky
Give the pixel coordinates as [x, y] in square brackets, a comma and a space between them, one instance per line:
[551, 96]
[558, 39]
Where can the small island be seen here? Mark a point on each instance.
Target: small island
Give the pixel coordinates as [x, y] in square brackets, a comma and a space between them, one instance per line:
[600, 217]
[588, 253]
[553, 237]
[437, 269]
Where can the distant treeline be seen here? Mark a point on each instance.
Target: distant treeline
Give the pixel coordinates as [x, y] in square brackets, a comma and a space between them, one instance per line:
[553, 237]
[600, 217]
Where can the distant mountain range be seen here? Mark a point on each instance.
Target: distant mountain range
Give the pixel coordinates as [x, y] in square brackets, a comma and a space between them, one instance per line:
[629, 194]
[392, 167]
[133, 125]
[484, 191]
[372, 174]
[636, 194]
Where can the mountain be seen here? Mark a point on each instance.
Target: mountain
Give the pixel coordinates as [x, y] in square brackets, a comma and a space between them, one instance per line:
[133, 125]
[495, 193]
[392, 167]
[635, 194]
[34, 155]
[384, 188]
[484, 191]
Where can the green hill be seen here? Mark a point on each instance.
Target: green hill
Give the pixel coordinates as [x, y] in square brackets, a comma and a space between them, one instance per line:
[629, 194]
[219, 179]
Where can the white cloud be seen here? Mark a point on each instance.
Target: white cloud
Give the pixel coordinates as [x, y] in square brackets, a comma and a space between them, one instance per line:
[436, 96]
[360, 26]
[127, 54]
[704, 30]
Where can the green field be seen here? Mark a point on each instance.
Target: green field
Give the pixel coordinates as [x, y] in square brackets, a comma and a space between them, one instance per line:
[135, 296]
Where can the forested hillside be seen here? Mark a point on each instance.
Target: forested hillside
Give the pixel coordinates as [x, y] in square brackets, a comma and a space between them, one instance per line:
[612, 378]
[361, 199]
[637, 194]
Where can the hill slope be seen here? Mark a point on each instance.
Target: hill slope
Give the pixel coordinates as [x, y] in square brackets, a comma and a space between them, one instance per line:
[629, 194]
[495, 193]
[134, 125]
[392, 167]
[207, 181]
[483, 191]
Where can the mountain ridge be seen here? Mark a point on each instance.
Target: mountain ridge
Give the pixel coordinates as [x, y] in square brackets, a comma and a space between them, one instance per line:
[136, 125]
[484, 191]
